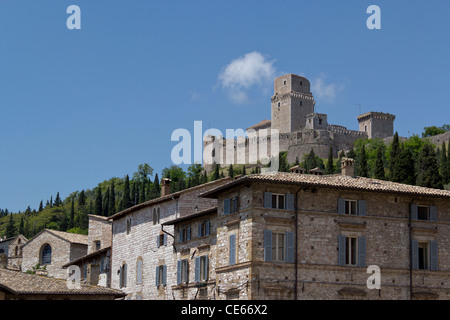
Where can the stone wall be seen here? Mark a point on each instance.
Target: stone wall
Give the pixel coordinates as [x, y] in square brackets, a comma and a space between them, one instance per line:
[100, 229]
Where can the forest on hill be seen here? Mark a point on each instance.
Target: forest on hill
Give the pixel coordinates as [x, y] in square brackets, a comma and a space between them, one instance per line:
[414, 161]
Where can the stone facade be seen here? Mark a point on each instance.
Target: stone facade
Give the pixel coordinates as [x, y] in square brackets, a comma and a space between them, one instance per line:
[377, 124]
[141, 243]
[15, 252]
[65, 247]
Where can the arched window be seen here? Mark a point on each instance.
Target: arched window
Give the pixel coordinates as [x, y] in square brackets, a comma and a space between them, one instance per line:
[139, 271]
[46, 254]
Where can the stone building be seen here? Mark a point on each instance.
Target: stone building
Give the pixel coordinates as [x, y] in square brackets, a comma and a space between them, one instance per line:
[12, 249]
[303, 236]
[300, 129]
[95, 266]
[52, 249]
[143, 247]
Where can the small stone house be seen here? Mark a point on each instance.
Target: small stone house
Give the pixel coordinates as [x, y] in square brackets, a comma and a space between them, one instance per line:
[52, 249]
[12, 249]
[95, 266]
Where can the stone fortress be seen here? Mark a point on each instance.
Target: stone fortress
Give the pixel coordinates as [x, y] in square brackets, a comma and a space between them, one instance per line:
[301, 128]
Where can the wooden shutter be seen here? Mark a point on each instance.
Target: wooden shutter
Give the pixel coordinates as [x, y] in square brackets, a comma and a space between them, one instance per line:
[433, 255]
[164, 274]
[362, 207]
[268, 200]
[121, 277]
[341, 250]
[157, 276]
[433, 213]
[232, 249]
[185, 270]
[139, 272]
[197, 269]
[268, 245]
[341, 205]
[414, 211]
[179, 272]
[199, 230]
[361, 251]
[290, 247]
[165, 239]
[180, 235]
[157, 241]
[207, 228]
[235, 204]
[289, 201]
[415, 253]
[125, 275]
[226, 206]
[188, 234]
[206, 267]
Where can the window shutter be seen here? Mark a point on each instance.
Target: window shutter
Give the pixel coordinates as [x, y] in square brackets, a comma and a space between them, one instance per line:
[268, 200]
[289, 201]
[415, 254]
[267, 245]
[341, 250]
[207, 227]
[361, 251]
[188, 234]
[433, 213]
[433, 255]
[197, 269]
[157, 241]
[290, 247]
[180, 235]
[185, 271]
[179, 272]
[235, 204]
[226, 206]
[164, 274]
[206, 267]
[124, 275]
[121, 277]
[165, 239]
[414, 211]
[341, 205]
[199, 231]
[157, 276]
[139, 272]
[362, 207]
[232, 249]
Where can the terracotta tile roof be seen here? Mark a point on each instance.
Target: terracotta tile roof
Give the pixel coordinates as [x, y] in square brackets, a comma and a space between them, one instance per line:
[87, 256]
[18, 283]
[191, 216]
[334, 181]
[67, 236]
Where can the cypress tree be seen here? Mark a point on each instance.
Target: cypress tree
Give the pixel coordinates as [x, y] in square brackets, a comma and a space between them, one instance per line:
[126, 201]
[41, 206]
[21, 226]
[231, 171]
[10, 227]
[443, 164]
[243, 170]
[105, 206]
[395, 151]
[112, 200]
[404, 169]
[330, 164]
[133, 194]
[142, 192]
[379, 165]
[72, 215]
[58, 201]
[157, 186]
[310, 161]
[51, 201]
[82, 199]
[98, 210]
[216, 174]
[428, 168]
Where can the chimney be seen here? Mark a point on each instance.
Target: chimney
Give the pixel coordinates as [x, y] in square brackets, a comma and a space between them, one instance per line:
[165, 187]
[348, 167]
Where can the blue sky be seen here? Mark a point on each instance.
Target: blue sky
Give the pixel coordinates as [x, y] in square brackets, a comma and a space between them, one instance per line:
[81, 106]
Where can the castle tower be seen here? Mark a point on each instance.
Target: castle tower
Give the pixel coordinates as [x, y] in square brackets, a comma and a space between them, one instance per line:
[291, 103]
[377, 124]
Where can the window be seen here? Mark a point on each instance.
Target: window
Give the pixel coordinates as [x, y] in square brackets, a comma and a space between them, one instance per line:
[284, 82]
[97, 245]
[123, 275]
[230, 205]
[424, 255]
[201, 269]
[161, 275]
[46, 255]
[278, 246]
[422, 213]
[184, 234]
[128, 225]
[204, 229]
[156, 215]
[301, 103]
[320, 121]
[182, 271]
[139, 271]
[161, 240]
[352, 251]
[350, 207]
[277, 201]
[279, 104]
[301, 82]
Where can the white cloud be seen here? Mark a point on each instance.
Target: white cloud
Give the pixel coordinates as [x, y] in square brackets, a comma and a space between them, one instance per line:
[323, 91]
[245, 72]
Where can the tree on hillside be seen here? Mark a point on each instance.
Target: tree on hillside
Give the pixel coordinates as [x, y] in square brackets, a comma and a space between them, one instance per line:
[329, 169]
[72, 215]
[112, 200]
[231, 171]
[428, 168]
[404, 169]
[143, 172]
[395, 150]
[105, 205]
[82, 199]
[58, 201]
[443, 165]
[379, 165]
[10, 227]
[433, 130]
[41, 206]
[216, 174]
[363, 170]
[309, 161]
[126, 201]
[98, 209]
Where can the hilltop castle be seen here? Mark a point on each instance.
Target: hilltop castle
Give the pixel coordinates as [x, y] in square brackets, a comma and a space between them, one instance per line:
[301, 128]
